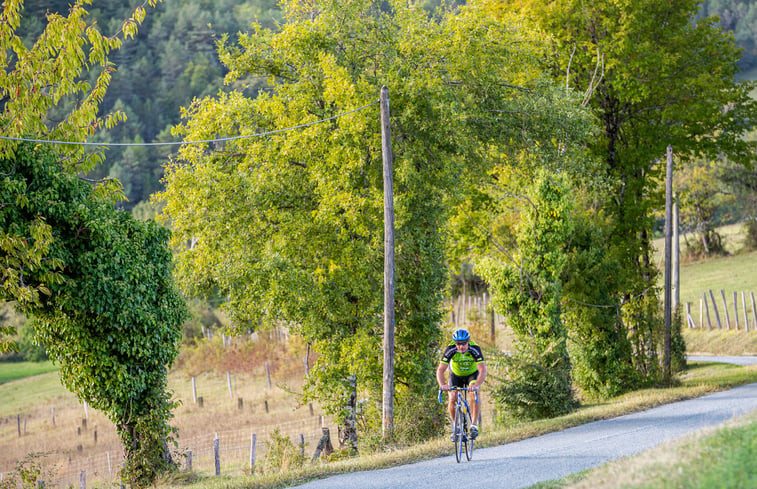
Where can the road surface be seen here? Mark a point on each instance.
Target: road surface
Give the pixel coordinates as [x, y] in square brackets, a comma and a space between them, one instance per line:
[555, 455]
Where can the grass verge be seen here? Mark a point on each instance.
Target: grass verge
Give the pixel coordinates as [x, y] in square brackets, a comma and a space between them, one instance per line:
[699, 379]
[724, 457]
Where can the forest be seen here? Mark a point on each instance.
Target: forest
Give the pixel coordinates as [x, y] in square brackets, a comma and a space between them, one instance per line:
[174, 59]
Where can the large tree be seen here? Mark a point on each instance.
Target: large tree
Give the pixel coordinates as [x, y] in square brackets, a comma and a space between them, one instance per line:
[97, 282]
[106, 308]
[288, 226]
[654, 77]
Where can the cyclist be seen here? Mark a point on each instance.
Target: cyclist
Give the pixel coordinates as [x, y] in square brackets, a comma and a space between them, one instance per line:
[465, 361]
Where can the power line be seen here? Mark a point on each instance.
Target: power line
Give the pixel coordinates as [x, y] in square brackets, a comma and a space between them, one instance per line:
[203, 141]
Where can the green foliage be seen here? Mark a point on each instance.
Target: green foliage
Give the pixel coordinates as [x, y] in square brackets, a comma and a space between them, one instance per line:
[599, 347]
[537, 381]
[532, 389]
[29, 346]
[740, 18]
[651, 84]
[701, 185]
[110, 317]
[282, 454]
[29, 473]
[53, 76]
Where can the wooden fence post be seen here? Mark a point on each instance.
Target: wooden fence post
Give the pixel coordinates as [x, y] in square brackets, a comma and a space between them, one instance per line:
[228, 381]
[715, 307]
[493, 325]
[743, 305]
[707, 312]
[754, 312]
[735, 310]
[268, 373]
[189, 460]
[725, 306]
[194, 390]
[83, 480]
[217, 454]
[689, 319]
[324, 445]
[253, 449]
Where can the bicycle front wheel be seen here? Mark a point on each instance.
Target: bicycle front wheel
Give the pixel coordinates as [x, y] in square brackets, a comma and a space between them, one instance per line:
[468, 440]
[458, 433]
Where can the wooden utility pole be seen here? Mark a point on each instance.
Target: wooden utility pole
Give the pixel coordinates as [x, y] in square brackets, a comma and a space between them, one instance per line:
[386, 154]
[676, 260]
[668, 255]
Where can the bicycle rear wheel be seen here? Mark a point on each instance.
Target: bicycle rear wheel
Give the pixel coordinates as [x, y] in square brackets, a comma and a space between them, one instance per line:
[458, 433]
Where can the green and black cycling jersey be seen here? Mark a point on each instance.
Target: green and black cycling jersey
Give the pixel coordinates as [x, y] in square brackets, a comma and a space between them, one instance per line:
[463, 364]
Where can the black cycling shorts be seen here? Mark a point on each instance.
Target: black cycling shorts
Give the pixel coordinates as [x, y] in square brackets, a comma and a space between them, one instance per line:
[456, 381]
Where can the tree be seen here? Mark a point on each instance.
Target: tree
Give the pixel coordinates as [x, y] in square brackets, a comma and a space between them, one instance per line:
[288, 226]
[653, 77]
[97, 282]
[528, 289]
[701, 195]
[109, 316]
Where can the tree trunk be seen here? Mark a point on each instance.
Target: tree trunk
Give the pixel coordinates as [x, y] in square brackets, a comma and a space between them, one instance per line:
[348, 430]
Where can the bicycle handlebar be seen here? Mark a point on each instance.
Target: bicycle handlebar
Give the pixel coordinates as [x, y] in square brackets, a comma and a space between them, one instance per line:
[464, 389]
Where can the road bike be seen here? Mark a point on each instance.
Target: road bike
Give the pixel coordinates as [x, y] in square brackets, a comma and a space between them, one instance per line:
[461, 428]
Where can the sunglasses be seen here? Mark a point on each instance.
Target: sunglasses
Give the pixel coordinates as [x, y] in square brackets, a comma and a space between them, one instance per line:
[461, 343]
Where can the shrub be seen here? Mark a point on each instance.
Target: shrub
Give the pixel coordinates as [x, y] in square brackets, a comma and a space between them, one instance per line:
[282, 454]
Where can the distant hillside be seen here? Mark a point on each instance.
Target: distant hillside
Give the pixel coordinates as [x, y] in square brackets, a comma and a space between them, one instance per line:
[739, 17]
[173, 60]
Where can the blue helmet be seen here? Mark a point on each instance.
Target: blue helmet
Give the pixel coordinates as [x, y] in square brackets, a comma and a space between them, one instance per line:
[461, 335]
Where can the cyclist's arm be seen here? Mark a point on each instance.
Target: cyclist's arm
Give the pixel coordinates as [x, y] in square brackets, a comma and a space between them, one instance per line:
[440, 377]
[481, 375]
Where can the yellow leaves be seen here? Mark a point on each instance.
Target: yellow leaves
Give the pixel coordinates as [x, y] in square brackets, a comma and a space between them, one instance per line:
[130, 29]
[139, 14]
[60, 61]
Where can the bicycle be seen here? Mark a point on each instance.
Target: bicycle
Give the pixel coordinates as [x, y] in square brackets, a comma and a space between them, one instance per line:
[462, 423]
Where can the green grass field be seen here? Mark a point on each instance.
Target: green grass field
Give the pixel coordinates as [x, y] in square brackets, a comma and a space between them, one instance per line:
[38, 388]
[18, 370]
[734, 273]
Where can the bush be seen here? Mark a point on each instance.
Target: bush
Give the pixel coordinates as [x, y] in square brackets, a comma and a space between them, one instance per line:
[532, 390]
[30, 473]
[282, 454]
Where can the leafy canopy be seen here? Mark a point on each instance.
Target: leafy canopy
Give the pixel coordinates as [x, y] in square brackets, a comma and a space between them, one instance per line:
[288, 226]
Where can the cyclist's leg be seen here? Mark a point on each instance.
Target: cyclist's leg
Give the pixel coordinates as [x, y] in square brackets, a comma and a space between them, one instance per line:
[474, 406]
[454, 381]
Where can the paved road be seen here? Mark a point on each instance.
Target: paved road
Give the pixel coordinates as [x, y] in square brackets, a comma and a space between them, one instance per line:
[524, 463]
[737, 360]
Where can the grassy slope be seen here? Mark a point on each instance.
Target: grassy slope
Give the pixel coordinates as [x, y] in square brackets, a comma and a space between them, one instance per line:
[18, 370]
[734, 273]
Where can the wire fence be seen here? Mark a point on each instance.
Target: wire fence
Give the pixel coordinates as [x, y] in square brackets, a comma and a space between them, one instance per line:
[231, 452]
